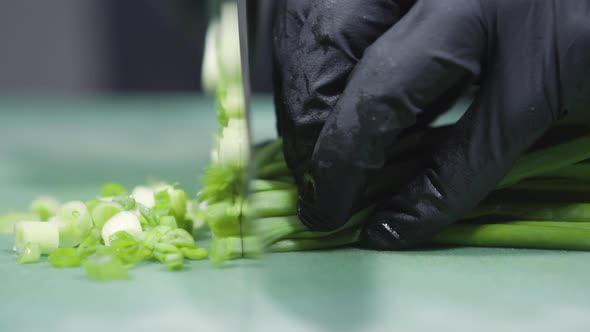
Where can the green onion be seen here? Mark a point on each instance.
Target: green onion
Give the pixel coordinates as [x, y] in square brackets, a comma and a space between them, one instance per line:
[144, 196]
[573, 212]
[104, 211]
[576, 172]
[273, 170]
[8, 220]
[74, 222]
[122, 221]
[221, 181]
[101, 267]
[257, 185]
[516, 236]
[274, 203]
[232, 247]
[45, 207]
[194, 254]
[111, 189]
[179, 238]
[127, 203]
[169, 221]
[344, 238]
[548, 160]
[166, 248]
[268, 153]
[30, 253]
[45, 234]
[65, 257]
[223, 218]
[178, 203]
[552, 185]
[174, 261]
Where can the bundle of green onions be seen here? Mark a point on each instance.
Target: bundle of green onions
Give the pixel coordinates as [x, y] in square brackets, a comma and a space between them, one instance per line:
[111, 233]
[540, 204]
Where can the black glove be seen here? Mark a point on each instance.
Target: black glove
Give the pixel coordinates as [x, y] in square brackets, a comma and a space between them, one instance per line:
[349, 82]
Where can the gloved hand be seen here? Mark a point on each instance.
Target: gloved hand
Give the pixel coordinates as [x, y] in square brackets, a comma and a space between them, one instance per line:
[352, 74]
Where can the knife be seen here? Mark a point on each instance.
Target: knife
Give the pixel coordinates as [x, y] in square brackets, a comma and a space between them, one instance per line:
[244, 47]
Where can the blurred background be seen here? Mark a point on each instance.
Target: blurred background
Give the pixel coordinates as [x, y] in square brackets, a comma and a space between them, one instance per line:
[106, 90]
[81, 47]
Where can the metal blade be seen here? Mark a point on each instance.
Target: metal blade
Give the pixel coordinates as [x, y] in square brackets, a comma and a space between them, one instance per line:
[246, 85]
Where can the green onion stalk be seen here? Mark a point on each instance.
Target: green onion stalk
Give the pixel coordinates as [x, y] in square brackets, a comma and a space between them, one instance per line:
[269, 221]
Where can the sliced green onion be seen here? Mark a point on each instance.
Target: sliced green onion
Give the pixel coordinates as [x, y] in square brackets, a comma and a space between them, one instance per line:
[179, 238]
[87, 248]
[101, 267]
[104, 211]
[122, 221]
[65, 257]
[154, 235]
[228, 248]
[223, 218]
[166, 248]
[174, 261]
[112, 189]
[74, 222]
[127, 203]
[122, 239]
[178, 203]
[144, 196]
[195, 254]
[169, 221]
[30, 253]
[8, 221]
[576, 172]
[45, 207]
[45, 234]
[221, 181]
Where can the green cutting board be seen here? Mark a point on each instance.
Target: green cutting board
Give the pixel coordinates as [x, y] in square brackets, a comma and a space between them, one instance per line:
[68, 148]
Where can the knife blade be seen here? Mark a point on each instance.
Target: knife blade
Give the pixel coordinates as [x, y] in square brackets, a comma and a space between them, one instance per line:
[244, 41]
